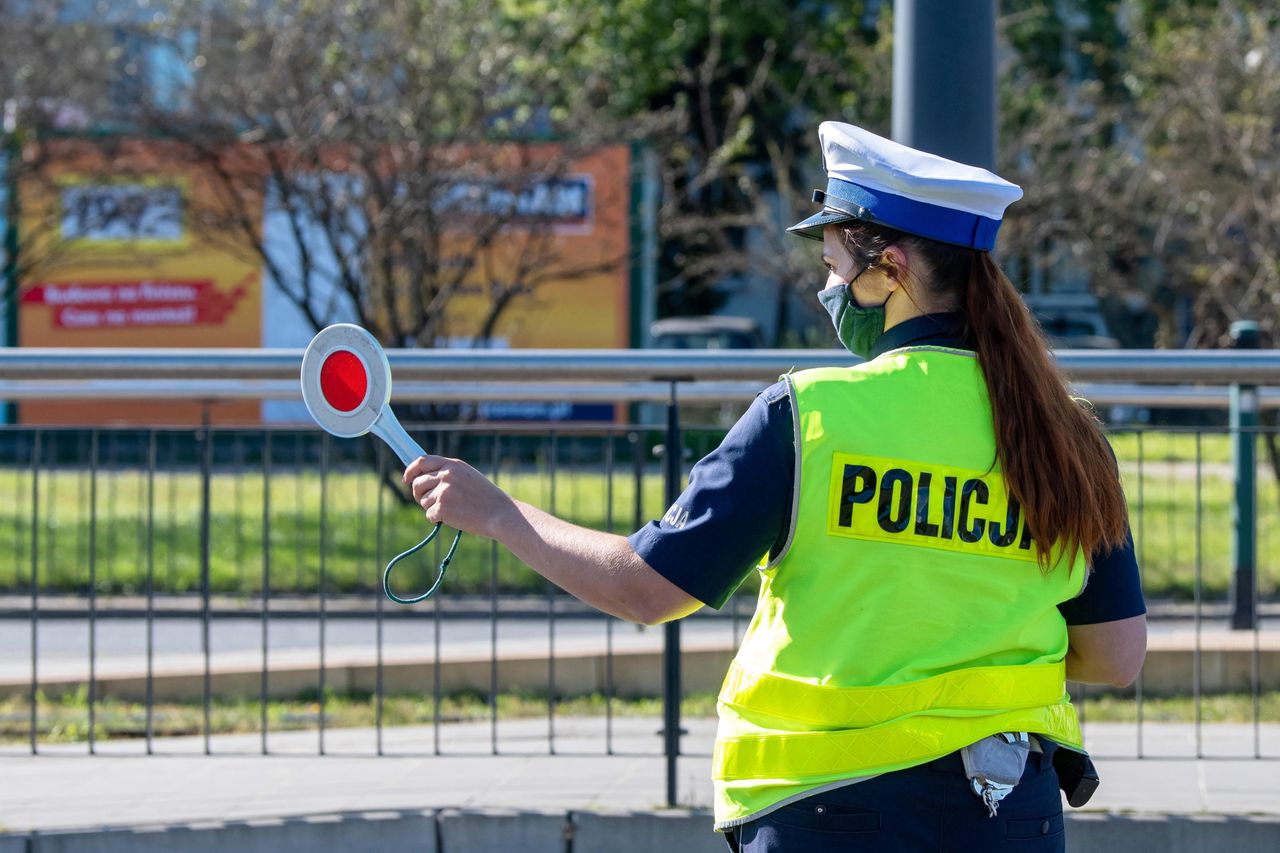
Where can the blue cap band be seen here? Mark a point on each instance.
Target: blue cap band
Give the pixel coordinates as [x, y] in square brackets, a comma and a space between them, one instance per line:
[915, 217]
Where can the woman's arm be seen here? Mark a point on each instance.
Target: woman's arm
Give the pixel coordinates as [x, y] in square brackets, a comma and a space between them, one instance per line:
[1107, 652]
[1107, 622]
[599, 568]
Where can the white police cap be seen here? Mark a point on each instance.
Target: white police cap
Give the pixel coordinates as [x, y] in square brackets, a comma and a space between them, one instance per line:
[878, 180]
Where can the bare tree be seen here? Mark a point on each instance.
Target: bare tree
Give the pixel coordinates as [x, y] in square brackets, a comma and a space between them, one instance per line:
[48, 86]
[1168, 187]
[420, 151]
[1207, 130]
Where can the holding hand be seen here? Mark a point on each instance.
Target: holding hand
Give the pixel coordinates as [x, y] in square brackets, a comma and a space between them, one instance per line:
[453, 493]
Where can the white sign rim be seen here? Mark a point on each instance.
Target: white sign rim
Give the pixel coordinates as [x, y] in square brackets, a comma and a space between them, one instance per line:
[355, 340]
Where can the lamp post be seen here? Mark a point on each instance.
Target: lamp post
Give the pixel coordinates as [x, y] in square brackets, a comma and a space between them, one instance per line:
[944, 78]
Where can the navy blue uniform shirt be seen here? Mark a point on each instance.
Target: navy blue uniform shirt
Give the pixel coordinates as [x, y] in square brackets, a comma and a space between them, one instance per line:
[726, 522]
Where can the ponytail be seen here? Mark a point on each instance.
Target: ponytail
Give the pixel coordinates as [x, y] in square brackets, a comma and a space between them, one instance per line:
[1055, 459]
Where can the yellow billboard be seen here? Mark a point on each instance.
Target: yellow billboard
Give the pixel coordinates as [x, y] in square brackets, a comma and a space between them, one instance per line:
[127, 257]
[117, 263]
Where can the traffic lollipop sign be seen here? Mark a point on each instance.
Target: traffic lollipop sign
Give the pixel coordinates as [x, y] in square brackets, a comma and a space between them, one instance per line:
[346, 384]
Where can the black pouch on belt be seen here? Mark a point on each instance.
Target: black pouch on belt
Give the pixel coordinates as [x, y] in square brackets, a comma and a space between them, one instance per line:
[1077, 776]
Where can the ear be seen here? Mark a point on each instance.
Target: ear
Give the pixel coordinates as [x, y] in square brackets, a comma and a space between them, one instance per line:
[896, 265]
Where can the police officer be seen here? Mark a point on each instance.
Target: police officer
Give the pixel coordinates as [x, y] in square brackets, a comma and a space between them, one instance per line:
[941, 536]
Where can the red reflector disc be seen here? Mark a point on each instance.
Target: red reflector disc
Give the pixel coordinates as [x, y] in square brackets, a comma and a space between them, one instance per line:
[343, 381]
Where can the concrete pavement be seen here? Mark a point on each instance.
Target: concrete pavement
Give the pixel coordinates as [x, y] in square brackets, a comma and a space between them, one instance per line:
[64, 788]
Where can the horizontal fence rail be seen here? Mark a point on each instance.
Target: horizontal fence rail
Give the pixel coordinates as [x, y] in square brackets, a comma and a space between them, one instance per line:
[210, 390]
[216, 589]
[1255, 367]
[1121, 377]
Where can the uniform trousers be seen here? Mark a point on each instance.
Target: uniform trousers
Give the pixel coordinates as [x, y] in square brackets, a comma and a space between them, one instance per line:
[930, 807]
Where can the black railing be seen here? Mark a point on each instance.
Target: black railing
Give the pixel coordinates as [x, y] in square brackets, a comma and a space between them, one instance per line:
[162, 569]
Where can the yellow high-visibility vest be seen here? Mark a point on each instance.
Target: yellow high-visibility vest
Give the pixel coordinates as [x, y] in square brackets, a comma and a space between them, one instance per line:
[906, 616]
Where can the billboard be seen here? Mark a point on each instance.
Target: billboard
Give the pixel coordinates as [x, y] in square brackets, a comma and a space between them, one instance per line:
[126, 245]
[113, 261]
[573, 226]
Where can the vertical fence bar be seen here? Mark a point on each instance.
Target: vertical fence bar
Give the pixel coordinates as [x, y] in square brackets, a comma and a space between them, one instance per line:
[671, 630]
[264, 686]
[36, 452]
[495, 464]
[93, 587]
[608, 620]
[436, 630]
[1198, 596]
[237, 494]
[206, 484]
[637, 478]
[20, 447]
[552, 465]
[299, 499]
[380, 454]
[1142, 550]
[51, 505]
[1255, 669]
[362, 499]
[112, 470]
[325, 444]
[151, 589]
[140, 513]
[171, 538]
[82, 509]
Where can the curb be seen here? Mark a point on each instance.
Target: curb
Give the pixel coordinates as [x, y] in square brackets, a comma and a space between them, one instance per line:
[686, 831]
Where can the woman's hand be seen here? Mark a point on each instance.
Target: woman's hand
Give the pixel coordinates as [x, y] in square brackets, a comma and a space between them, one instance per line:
[452, 492]
[600, 568]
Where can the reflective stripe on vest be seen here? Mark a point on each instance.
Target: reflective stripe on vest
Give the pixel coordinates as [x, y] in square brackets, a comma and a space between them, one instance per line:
[991, 689]
[902, 743]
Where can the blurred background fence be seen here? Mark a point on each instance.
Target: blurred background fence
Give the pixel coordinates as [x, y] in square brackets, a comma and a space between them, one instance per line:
[217, 588]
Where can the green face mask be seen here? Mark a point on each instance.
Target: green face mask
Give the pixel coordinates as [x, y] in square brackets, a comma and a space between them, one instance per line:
[857, 328]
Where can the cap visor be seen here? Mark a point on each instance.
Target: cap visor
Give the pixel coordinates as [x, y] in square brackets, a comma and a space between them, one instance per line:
[811, 228]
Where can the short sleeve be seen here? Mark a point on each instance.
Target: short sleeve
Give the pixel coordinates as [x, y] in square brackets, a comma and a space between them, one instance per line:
[1113, 591]
[734, 509]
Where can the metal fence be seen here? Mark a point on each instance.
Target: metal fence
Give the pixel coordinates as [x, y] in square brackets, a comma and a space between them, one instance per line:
[161, 587]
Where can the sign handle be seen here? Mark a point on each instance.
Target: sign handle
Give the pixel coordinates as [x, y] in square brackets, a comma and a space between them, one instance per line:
[387, 428]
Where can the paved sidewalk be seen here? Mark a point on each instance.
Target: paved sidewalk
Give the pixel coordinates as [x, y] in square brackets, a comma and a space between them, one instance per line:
[65, 788]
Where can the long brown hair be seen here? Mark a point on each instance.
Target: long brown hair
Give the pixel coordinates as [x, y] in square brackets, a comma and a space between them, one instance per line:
[1055, 459]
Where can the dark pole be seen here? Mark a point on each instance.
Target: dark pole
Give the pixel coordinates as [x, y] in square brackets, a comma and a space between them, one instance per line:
[944, 78]
[1244, 426]
[671, 631]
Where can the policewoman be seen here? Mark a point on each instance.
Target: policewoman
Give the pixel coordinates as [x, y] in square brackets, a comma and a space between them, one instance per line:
[939, 530]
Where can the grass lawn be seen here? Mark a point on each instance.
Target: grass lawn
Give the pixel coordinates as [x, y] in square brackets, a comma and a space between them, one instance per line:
[337, 537]
[66, 720]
